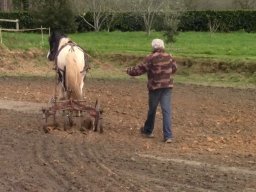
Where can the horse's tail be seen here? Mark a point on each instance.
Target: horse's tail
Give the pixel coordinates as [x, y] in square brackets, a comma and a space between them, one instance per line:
[73, 78]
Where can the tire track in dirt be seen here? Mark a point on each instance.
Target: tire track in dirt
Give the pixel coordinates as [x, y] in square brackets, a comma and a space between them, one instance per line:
[138, 179]
[126, 182]
[132, 178]
[140, 168]
[43, 155]
[100, 169]
[81, 170]
[78, 167]
[93, 172]
[234, 170]
[5, 148]
[212, 175]
[141, 178]
[159, 185]
[15, 159]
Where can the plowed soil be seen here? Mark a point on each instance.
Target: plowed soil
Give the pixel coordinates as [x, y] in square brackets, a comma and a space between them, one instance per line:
[214, 147]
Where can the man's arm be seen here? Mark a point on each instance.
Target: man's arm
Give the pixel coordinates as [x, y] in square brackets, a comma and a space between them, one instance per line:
[137, 70]
[174, 67]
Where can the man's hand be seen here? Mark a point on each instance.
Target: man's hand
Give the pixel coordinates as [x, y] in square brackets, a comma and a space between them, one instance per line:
[125, 70]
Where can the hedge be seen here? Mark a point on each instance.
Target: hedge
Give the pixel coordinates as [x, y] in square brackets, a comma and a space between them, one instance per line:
[128, 22]
[223, 21]
[25, 20]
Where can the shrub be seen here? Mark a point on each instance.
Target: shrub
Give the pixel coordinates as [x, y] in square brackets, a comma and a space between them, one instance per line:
[225, 21]
[56, 14]
[25, 20]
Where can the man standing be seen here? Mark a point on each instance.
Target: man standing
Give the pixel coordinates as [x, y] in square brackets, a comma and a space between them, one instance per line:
[159, 67]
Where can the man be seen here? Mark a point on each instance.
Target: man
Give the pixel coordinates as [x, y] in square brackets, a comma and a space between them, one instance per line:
[159, 67]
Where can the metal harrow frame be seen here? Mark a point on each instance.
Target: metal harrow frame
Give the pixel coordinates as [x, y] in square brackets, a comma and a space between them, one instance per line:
[73, 109]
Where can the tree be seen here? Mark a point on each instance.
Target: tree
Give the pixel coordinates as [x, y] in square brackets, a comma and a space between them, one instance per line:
[25, 4]
[114, 8]
[148, 9]
[56, 14]
[191, 5]
[172, 15]
[245, 4]
[101, 10]
[5, 5]
[20, 4]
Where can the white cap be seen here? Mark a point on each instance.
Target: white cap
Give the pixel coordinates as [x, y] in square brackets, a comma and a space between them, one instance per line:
[158, 44]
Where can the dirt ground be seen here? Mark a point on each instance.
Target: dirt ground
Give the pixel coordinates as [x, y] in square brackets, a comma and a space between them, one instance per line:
[214, 146]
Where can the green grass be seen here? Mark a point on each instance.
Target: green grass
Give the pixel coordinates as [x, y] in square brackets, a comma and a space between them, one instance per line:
[219, 80]
[213, 79]
[135, 43]
[223, 46]
[235, 48]
[24, 41]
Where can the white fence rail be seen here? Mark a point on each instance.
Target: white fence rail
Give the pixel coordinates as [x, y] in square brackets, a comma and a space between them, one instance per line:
[17, 29]
[24, 30]
[12, 21]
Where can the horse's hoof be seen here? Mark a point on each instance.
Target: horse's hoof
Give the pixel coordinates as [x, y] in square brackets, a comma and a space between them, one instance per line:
[47, 128]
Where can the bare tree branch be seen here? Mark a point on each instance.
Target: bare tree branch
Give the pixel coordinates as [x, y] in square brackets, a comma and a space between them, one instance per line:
[100, 10]
[245, 4]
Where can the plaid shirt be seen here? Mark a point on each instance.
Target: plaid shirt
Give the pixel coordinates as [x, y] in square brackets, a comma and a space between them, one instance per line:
[159, 67]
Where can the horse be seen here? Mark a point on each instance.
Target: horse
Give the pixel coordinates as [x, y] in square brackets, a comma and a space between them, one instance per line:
[71, 65]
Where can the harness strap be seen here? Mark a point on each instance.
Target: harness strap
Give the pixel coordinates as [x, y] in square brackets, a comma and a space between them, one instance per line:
[73, 44]
[60, 71]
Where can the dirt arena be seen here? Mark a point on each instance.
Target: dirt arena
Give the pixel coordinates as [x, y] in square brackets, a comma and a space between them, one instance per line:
[214, 148]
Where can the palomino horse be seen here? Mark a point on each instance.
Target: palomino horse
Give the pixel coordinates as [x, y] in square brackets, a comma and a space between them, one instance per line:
[71, 64]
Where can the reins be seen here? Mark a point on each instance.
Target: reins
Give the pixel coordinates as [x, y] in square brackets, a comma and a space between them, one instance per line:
[72, 45]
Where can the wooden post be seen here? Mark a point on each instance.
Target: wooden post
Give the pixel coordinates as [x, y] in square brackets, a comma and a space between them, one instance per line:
[42, 35]
[17, 25]
[1, 36]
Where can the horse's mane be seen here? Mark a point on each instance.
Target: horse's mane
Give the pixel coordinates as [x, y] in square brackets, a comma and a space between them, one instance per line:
[56, 37]
[55, 40]
[60, 39]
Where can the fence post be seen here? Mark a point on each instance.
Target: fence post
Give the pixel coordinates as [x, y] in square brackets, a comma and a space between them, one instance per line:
[1, 36]
[17, 25]
[42, 35]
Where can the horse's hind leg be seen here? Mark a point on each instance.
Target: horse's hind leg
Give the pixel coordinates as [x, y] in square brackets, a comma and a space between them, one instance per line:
[81, 88]
[61, 92]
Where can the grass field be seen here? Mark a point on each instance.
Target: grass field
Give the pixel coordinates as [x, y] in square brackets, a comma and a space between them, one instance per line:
[237, 48]
[223, 46]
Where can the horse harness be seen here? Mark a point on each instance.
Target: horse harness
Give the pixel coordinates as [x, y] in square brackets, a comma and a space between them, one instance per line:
[62, 72]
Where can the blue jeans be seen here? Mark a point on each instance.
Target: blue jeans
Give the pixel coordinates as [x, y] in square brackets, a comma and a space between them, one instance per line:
[164, 97]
